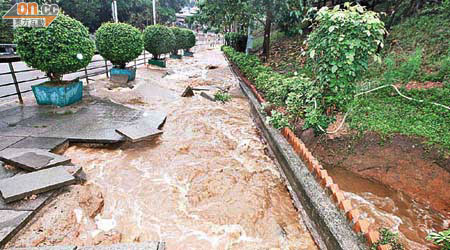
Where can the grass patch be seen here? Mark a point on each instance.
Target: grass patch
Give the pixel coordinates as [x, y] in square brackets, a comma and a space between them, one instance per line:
[387, 113]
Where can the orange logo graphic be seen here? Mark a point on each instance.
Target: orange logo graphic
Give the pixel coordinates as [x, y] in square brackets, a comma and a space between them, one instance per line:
[30, 15]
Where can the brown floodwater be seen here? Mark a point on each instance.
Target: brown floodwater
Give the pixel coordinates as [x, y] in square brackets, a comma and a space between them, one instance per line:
[206, 183]
[391, 209]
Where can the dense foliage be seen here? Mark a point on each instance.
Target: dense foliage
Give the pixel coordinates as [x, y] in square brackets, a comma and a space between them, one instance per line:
[119, 43]
[179, 39]
[189, 39]
[137, 12]
[158, 40]
[441, 239]
[237, 41]
[62, 48]
[296, 93]
[340, 47]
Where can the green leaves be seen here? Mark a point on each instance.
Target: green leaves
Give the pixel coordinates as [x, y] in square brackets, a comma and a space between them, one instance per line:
[158, 40]
[346, 38]
[62, 48]
[119, 43]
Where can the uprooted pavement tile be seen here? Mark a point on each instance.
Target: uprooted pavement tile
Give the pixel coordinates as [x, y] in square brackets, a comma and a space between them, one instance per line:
[32, 159]
[208, 97]
[139, 132]
[188, 92]
[23, 185]
[10, 222]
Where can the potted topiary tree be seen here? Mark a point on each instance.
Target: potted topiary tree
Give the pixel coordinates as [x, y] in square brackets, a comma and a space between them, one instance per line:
[158, 40]
[179, 42]
[63, 47]
[189, 42]
[119, 43]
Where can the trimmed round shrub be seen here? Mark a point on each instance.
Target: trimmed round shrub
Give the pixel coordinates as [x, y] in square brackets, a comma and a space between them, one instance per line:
[189, 39]
[237, 41]
[119, 43]
[158, 40]
[179, 39]
[63, 47]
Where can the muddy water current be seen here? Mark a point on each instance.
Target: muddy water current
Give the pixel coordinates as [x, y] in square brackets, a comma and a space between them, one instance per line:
[391, 209]
[206, 183]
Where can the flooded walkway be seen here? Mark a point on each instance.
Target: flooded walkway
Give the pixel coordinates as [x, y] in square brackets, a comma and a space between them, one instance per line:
[205, 184]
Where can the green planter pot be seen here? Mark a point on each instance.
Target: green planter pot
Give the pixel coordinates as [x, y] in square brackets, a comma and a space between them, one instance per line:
[188, 53]
[61, 96]
[175, 56]
[159, 63]
[131, 72]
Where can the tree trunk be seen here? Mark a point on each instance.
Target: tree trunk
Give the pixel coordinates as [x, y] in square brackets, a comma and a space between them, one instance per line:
[267, 30]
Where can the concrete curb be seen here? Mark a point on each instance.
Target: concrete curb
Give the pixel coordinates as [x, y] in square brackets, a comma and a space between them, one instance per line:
[310, 184]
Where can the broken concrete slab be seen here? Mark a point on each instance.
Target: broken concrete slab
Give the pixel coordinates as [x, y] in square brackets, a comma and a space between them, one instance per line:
[128, 246]
[6, 141]
[31, 159]
[11, 222]
[139, 132]
[46, 248]
[32, 204]
[46, 143]
[188, 92]
[21, 186]
[7, 172]
[208, 97]
[155, 119]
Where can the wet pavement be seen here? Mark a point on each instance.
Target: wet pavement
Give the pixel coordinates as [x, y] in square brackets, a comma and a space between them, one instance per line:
[206, 183]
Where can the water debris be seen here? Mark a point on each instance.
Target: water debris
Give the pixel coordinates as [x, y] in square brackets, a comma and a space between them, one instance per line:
[212, 67]
[188, 92]
[208, 97]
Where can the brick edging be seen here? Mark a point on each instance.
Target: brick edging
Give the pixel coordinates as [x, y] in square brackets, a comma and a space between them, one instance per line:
[360, 226]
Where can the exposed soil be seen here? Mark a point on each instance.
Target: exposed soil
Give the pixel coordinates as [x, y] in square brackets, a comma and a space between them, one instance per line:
[401, 163]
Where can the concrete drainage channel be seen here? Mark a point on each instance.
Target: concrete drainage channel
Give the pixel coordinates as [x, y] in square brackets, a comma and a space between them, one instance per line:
[327, 224]
[31, 171]
[141, 246]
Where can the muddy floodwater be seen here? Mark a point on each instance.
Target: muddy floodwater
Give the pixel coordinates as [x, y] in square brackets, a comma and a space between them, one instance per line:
[391, 209]
[206, 183]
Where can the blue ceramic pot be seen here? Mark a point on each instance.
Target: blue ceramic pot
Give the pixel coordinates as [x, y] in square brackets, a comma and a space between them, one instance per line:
[62, 95]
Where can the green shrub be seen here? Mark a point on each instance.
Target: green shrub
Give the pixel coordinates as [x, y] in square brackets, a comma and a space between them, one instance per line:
[179, 39]
[441, 239]
[296, 93]
[340, 46]
[237, 41]
[278, 120]
[119, 43]
[409, 69]
[61, 48]
[388, 237]
[158, 40]
[189, 39]
[222, 96]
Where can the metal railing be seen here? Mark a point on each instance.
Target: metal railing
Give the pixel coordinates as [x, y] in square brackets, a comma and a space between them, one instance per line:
[87, 73]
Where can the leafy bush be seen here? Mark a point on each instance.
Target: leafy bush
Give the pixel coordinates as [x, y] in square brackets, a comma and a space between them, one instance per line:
[278, 120]
[158, 40]
[441, 239]
[222, 96]
[296, 93]
[388, 237]
[119, 43]
[179, 42]
[340, 46]
[189, 39]
[61, 48]
[237, 41]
